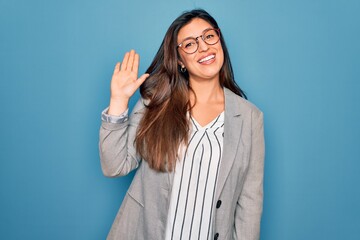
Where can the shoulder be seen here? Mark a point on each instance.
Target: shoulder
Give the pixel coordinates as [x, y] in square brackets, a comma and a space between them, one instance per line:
[138, 111]
[237, 105]
[140, 106]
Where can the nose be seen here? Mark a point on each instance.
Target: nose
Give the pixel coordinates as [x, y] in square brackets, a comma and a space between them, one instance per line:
[202, 45]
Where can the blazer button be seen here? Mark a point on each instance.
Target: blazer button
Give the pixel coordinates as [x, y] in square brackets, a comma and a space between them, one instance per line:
[218, 204]
[216, 236]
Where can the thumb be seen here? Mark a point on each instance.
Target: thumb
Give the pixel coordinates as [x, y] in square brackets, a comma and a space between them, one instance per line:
[142, 79]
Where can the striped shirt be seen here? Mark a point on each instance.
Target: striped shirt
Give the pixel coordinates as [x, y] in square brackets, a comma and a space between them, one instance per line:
[195, 177]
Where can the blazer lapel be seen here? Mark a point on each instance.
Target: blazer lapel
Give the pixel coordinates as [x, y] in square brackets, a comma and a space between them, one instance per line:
[232, 132]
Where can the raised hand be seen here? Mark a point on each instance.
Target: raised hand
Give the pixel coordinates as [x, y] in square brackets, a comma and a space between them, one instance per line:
[125, 82]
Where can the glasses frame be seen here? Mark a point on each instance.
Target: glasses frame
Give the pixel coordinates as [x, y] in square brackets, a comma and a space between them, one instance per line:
[197, 40]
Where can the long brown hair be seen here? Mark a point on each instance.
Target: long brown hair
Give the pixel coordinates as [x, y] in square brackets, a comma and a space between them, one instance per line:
[165, 125]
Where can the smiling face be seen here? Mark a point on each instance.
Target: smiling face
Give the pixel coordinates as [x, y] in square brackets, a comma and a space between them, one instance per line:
[206, 62]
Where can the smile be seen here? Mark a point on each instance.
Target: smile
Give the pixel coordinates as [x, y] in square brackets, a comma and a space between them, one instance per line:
[206, 58]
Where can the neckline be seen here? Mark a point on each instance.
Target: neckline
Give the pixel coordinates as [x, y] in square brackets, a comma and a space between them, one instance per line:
[208, 125]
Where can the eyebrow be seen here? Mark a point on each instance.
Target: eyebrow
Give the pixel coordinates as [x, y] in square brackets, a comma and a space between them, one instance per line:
[191, 37]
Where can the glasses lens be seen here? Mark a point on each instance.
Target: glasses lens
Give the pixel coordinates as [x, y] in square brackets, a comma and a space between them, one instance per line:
[189, 45]
[211, 36]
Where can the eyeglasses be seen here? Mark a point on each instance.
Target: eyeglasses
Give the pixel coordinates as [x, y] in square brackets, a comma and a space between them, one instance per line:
[209, 36]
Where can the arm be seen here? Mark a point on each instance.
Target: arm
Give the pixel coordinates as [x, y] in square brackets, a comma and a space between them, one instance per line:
[249, 205]
[117, 151]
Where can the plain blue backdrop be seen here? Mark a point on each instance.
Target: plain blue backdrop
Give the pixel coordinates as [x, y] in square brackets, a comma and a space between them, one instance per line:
[297, 60]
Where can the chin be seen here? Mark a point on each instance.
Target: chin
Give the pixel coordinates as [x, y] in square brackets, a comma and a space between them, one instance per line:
[211, 74]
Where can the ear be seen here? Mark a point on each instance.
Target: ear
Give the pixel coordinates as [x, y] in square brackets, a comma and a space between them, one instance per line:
[181, 64]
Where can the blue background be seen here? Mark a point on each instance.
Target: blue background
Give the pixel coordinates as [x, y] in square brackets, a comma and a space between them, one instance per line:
[298, 60]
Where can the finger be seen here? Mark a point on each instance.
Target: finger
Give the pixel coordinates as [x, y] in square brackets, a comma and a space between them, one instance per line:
[142, 79]
[125, 61]
[117, 67]
[131, 61]
[136, 64]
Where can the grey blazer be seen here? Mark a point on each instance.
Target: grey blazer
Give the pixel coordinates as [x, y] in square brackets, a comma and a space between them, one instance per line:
[239, 190]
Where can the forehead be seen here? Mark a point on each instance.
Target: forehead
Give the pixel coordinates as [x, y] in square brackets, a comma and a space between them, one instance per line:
[194, 28]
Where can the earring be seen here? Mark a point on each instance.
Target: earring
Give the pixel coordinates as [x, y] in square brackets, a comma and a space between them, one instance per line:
[182, 69]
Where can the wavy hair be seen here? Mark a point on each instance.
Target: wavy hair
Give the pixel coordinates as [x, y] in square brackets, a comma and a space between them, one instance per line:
[165, 125]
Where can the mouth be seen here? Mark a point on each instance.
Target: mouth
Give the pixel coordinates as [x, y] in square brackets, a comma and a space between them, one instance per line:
[207, 59]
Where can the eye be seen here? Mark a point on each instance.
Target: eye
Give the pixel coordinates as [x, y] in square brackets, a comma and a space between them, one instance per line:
[209, 36]
[189, 44]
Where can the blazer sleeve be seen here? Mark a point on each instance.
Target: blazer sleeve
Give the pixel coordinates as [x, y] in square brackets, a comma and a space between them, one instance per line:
[116, 144]
[250, 202]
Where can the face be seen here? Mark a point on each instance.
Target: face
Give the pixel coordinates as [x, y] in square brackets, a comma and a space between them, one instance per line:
[206, 62]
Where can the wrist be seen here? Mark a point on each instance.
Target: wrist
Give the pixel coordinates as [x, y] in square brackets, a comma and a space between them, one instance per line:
[118, 106]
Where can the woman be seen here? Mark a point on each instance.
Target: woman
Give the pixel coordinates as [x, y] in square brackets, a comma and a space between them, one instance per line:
[197, 144]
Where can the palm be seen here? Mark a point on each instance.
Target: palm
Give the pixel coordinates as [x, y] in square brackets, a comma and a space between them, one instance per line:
[125, 79]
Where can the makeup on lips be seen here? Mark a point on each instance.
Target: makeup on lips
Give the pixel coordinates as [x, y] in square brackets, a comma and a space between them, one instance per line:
[207, 59]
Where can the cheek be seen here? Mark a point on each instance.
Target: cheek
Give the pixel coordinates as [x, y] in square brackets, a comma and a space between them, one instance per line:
[221, 57]
[222, 60]
[188, 61]
[183, 57]
[221, 51]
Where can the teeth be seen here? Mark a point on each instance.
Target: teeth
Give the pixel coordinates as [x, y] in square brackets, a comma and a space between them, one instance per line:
[207, 58]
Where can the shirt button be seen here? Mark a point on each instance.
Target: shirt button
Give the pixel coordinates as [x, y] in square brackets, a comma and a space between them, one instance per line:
[218, 204]
[216, 236]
